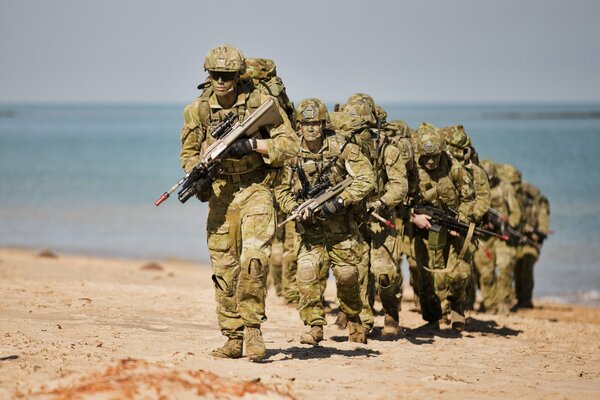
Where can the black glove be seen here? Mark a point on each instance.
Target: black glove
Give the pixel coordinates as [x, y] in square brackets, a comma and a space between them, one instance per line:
[332, 206]
[240, 148]
[204, 189]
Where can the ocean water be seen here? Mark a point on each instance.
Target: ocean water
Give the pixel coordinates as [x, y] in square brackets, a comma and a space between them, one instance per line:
[83, 179]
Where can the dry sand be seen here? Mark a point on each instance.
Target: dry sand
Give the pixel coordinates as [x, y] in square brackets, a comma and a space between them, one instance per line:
[81, 327]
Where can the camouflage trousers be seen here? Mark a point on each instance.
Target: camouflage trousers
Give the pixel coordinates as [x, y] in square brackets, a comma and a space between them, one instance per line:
[443, 277]
[405, 239]
[240, 228]
[275, 277]
[289, 265]
[341, 243]
[527, 256]
[384, 265]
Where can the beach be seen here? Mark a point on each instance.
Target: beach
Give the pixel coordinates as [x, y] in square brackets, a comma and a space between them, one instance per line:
[90, 327]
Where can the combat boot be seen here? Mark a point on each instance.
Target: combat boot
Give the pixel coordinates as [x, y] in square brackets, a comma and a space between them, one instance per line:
[254, 343]
[341, 321]
[231, 349]
[390, 325]
[503, 309]
[356, 332]
[457, 320]
[313, 336]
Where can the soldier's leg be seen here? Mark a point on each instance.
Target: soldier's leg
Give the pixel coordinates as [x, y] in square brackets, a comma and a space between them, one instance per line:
[275, 266]
[456, 281]
[222, 233]
[505, 264]
[484, 262]
[367, 288]
[345, 255]
[524, 279]
[384, 266]
[428, 300]
[257, 231]
[310, 260]
[291, 245]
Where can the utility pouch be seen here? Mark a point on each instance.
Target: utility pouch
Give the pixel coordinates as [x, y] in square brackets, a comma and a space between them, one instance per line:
[438, 236]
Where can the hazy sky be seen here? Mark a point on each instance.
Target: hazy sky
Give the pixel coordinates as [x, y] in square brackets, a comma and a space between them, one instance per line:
[408, 51]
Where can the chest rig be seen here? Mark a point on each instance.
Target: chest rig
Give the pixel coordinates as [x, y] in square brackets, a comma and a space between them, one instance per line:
[437, 186]
[211, 115]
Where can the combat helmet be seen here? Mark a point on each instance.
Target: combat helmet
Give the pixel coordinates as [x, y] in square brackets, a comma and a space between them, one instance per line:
[459, 144]
[430, 146]
[360, 105]
[312, 110]
[225, 58]
[490, 168]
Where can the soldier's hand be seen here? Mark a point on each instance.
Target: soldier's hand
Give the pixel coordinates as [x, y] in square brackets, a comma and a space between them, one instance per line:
[240, 148]
[453, 233]
[332, 206]
[375, 206]
[306, 214]
[421, 221]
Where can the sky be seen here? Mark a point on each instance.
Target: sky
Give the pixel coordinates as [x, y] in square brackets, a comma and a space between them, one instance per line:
[464, 51]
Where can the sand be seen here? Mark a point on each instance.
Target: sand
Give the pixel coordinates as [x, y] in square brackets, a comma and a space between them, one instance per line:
[76, 327]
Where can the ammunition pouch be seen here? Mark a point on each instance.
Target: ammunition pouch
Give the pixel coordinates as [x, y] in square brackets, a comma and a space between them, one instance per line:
[438, 236]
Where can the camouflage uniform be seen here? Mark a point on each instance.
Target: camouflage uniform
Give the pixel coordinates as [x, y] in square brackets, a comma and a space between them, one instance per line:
[459, 145]
[495, 256]
[443, 260]
[241, 214]
[384, 261]
[291, 244]
[535, 225]
[338, 234]
[505, 255]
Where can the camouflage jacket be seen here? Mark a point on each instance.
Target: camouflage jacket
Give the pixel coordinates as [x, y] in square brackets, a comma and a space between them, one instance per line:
[205, 113]
[448, 186]
[349, 161]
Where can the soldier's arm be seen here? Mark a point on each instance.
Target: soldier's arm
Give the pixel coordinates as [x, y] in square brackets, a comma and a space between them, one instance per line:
[192, 136]
[544, 216]
[282, 144]
[360, 169]
[466, 193]
[483, 194]
[283, 190]
[514, 207]
[396, 188]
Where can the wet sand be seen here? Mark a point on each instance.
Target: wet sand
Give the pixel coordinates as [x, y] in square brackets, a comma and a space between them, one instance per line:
[84, 327]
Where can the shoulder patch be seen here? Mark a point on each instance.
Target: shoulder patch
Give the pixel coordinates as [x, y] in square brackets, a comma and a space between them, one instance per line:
[392, 153]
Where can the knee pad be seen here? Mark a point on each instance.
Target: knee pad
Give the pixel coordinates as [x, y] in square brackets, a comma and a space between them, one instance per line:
[306, 272]
[254, 263]
[347, 275]
[384, 281]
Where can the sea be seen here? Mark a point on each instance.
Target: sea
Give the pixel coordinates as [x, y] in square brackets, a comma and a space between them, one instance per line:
[83, 179]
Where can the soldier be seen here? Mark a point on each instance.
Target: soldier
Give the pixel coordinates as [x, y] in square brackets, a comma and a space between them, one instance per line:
[460, 147]
[534, 225]
[384, 257]
[326, 158]
[443, 258]
[241, 215]
[496, 257]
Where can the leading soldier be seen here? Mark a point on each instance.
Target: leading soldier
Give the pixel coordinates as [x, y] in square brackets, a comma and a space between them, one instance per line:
[326, 158]
[241, 215]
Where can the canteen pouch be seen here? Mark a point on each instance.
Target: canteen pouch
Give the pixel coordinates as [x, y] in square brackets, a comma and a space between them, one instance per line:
[437, 238]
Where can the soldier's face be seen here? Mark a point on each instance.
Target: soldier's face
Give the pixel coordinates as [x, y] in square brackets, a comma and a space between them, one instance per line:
[431, 161]
[311, 131]
[223, 83]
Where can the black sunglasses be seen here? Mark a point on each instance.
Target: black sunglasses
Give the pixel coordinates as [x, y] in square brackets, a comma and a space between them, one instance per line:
[224, 76]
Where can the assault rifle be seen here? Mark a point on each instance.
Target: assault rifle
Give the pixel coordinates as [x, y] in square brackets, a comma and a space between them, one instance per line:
[514, 237]
[441, 218]
[226, 133]
[316, 203]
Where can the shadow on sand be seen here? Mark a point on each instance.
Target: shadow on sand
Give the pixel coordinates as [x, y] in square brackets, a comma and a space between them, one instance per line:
[316, 352]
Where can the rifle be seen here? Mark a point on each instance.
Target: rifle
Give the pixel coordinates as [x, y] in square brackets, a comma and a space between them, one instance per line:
[441, 218]
[226, 133]
[316, 202]
[514, 237]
